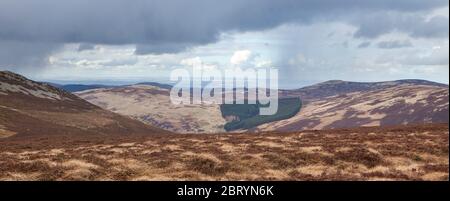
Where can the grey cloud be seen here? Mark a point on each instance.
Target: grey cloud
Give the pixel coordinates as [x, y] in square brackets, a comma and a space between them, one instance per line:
[416, 25]
[23, 55]
[121, 62]
[85, 46]
[364, 44]
[160, 26]
[394, 44]
[435, 27]
[331, 34]
[345, 44]
[177, 21]
[161, 48]
[435, 58]
[414, 57]
[428, 61]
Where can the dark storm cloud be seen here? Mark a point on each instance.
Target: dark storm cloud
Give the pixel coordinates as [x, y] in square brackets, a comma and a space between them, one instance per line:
[148, 22]
[18, 54]
[172, 26]
[394, 44]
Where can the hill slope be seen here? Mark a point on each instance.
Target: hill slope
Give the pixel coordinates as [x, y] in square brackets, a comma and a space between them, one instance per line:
[339, 87]
[33, 108]
[151, 104]
[340, 104]
[332, 104]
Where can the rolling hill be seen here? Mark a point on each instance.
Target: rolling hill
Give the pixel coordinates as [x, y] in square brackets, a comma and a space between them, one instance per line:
[33, 108]
[79, 87]
[340, 104]
[97, 144]
[151, 104]
[327, 105]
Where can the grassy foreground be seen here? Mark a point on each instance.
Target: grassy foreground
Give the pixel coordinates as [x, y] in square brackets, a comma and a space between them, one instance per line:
[397, 153]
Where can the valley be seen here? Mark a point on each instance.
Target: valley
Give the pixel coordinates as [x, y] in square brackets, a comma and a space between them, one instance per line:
[327, 105]
[352, 131]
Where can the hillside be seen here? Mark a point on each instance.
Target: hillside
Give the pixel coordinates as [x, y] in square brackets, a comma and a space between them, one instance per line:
[331, 104]
[246, 116]
[339, 104]
[49, 134]
[338, 87]
[33, 108]
[151, 104]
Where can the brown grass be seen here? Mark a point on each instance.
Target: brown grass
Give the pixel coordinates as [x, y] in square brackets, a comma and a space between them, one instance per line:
[395, 153]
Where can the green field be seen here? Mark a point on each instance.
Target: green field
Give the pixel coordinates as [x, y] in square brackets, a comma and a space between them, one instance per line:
[249, 113]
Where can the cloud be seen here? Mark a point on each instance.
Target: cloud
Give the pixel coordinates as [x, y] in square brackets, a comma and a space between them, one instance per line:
[364, 44]
[264, 64]
[162, 48]
[373, 25]
[159, 26]
[129, 61]
[299, 59]
[195, 61]
[241, 56]
[394, 44]
[435, 27]
[437, 57]
[23, 55]
[85, 46]
[430, 56]
[176, 21]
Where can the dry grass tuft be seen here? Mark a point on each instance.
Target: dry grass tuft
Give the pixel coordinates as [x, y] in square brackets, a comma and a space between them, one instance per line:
[399, 153]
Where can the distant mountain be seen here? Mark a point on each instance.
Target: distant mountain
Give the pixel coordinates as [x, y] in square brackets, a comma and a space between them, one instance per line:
[338, 87]
[34, 108]
[331, 104]
[79, 87]
[84, 87]
[341, 104]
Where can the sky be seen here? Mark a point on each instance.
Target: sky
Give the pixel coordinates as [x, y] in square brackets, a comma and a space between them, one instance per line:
[308, 41]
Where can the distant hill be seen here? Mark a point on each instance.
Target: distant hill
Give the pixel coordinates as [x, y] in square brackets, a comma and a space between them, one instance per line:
[79, 87]
[150, 104]
[33, 108]
[338, 87]
[341, 104]
[84, 87]
[331, 104]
